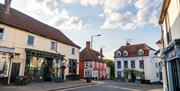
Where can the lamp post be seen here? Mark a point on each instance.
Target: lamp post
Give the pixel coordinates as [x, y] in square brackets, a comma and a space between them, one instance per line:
[89, 63]
[92, 39]
[141, 53]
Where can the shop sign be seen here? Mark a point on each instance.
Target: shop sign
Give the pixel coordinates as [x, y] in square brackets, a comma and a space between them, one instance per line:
[4, 49]
[172, 54]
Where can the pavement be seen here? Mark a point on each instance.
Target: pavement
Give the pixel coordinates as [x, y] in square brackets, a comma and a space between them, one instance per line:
[46, 86]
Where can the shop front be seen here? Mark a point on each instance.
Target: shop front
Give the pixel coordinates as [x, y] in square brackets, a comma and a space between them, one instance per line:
[43, 66]
[172, 60]
[5, 61]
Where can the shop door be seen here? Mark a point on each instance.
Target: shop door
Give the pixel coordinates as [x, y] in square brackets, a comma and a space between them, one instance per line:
[14, 71]
[48, 69]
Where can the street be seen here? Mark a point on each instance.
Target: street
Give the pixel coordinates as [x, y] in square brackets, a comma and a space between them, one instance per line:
[118, 86]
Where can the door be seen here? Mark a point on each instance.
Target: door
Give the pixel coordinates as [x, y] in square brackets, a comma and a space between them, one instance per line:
[48, 69]
[14, 71]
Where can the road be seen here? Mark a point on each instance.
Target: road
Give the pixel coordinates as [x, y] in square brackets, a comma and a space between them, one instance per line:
[118, 86]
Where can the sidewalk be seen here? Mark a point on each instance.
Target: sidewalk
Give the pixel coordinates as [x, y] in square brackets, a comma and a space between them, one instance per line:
[46, 86]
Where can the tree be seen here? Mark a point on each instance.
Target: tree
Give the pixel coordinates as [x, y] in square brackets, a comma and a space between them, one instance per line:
[110, 63]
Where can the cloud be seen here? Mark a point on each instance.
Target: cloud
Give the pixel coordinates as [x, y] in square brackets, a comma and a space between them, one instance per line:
[48, 12]
[69, 1]
[64, 20]
[146, 13]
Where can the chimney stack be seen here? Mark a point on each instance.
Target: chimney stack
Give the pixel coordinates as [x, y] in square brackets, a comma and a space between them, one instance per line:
[88, 44]
[7, 6]
[101, 52]
[128, 43]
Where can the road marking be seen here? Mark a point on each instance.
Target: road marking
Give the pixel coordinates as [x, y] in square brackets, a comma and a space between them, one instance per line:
[76, 87]
[130, 89]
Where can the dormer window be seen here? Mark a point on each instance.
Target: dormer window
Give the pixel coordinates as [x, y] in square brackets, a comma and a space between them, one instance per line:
[118, 54]
[125, 53]
[141, 52]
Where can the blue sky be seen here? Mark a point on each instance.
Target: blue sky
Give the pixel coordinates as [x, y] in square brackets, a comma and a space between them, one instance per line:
[115, 20]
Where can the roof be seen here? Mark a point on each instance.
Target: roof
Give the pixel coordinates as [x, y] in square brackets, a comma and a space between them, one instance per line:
[24, 22]
[165, 6]
[133, 50]
[88, 54]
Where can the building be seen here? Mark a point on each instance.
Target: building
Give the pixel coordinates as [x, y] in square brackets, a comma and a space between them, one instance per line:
[33, 49]
[131, 60]
[92, 63]
[170, 44]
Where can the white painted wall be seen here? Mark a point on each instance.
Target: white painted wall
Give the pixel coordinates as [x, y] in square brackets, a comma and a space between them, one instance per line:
[149, 66]
[17, 39]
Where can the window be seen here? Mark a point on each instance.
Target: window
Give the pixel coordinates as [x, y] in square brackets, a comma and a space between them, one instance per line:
[125, 64]
[30, 40]
[132, 64]
[141, 64]
[73, 50]
[53, 45]
[125, 53]
[118, 64]
[141, 52]
[118, 74]
[156, 65]
[168, 28]
[157, 75]
[118, 54]
[1, 33]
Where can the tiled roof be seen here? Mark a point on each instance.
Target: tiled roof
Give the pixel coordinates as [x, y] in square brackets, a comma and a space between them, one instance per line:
[19, 20]
[90, 55]
[133, 50]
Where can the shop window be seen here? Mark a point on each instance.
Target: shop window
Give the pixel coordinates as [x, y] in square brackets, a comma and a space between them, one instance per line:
[73, 50]
[53, 45]
[30, 40]
[4, 65]
[1, 33]
[132, 64]
[119, 64]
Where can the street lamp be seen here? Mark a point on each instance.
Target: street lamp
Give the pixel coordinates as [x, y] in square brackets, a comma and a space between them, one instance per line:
[92, 39]
[141, 53]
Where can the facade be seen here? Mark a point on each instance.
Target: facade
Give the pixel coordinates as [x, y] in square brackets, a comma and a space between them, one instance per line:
[33, 49]
[170, 44]
[92, 64]
[131, 60]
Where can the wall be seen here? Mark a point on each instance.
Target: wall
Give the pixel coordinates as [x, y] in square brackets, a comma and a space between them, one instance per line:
[17, 39]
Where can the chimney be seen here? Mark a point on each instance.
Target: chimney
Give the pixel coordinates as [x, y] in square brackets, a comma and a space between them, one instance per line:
[128, 43]
[7, 6]
[101, 52]
[88, 44]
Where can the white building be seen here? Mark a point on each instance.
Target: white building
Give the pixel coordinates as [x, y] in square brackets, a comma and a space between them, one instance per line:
[170, 44]
[33, 49]
[138, 57]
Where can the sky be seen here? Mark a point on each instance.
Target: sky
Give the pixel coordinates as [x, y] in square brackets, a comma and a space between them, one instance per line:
[117, 21]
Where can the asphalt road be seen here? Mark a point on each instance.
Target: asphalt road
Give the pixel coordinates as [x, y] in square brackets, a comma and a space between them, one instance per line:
[118, 86]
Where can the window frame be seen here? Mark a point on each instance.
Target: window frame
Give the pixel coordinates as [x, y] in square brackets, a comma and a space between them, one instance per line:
[119, 65]
[73, 51]
[133, 61]
[53, 47]
[141, 66]
[125, 65]
[1, 38]
[29, 41]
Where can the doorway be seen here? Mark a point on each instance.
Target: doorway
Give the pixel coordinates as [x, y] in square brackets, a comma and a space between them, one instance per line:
[14, 71]
[47, 69]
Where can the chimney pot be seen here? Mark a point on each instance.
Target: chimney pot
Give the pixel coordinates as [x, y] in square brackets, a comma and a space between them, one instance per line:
[128, 43]
[88, 44]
